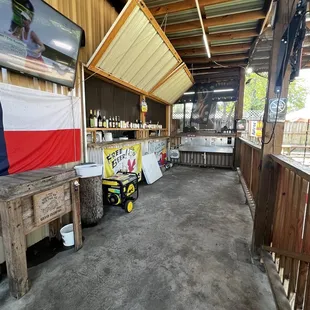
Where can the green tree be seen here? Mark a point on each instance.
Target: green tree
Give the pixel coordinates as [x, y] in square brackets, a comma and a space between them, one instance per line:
[256, 89]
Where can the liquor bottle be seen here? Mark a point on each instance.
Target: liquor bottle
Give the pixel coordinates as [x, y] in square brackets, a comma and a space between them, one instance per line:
[91, 119]
[113, 122]
[104, 122]
[96, 118]
[99, 118]
[110, 122]
[119, 122]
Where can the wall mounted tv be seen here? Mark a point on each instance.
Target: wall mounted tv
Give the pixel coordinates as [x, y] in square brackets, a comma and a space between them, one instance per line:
[37, 40]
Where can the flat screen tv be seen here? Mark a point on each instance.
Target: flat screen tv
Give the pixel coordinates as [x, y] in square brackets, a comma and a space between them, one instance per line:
[37, 40]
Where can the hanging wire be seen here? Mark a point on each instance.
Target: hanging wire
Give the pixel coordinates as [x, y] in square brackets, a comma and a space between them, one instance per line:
[164, 22]
[265, 77]
[283, 74]
[225, 66]
[306, 142]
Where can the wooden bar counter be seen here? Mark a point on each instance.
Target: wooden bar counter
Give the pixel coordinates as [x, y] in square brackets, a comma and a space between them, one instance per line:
[29, 200]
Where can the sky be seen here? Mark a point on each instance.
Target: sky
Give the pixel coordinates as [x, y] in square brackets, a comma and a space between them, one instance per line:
[305, 74]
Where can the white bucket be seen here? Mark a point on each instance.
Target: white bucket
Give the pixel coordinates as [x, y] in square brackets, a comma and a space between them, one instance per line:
[88, 170]
[108, 137]
[67, 235]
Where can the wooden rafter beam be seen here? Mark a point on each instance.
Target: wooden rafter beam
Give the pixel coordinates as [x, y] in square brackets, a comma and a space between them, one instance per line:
[217, 21]
[216, 49]
[213, 66]
[205, 75]
[214, 70]
[216, 79]
[182, 6]
[215, 37]
[201, 60]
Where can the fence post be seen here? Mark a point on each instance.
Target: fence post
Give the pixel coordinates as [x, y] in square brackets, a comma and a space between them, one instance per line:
[239, 115]
[251, 170]
[272, 131]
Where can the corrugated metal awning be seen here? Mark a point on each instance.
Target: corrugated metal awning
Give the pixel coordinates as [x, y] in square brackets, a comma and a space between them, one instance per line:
[135, 52]
[174, 86]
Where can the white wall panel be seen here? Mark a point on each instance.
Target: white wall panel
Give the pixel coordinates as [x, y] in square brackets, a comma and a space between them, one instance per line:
[174, 86]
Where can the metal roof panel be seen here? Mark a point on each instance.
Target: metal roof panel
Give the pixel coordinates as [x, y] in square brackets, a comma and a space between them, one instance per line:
[179, 17]
[234, 27]
[152, 3]
[233, 7]
[174, 86]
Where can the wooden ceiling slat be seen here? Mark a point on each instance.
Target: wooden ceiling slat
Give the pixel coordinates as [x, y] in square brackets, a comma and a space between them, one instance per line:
[202, 60]
[217, 21]
[215, 37]
[182, 6]
[216, 49]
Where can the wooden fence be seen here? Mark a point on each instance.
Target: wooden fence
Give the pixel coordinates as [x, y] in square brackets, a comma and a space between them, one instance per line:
[295, 138]
[290, 237]
[250, 166]
[289, 242]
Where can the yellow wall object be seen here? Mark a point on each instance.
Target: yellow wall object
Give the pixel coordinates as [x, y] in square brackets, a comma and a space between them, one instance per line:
[126, 159]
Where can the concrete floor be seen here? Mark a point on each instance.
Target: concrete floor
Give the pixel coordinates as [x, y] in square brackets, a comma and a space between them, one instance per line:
[185, 246]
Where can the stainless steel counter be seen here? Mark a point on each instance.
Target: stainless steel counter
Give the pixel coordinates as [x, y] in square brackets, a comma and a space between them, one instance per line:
[207, 149]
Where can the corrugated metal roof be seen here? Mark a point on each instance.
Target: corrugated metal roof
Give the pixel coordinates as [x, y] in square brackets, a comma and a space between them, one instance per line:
[229, 42]
[174, 86]
[180, 17]
[215, 43]
[233, 7]
[138, 55]
[196, 45]
[184, 34]
[234, 27]
[152, 3]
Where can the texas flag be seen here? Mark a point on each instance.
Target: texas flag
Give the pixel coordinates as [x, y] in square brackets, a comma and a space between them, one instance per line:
[37, 129]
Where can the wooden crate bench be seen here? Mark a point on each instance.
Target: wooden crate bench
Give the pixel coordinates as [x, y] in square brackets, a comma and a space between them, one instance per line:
[28, 201]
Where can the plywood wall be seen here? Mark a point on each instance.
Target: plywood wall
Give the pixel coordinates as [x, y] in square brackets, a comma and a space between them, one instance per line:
[111, 100]
[95, 17]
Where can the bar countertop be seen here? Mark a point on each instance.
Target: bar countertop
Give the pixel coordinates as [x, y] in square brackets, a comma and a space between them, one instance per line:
[117, 142]
[204, 134]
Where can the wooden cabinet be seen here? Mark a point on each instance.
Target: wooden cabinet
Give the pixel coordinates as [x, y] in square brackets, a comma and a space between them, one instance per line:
[28, 201]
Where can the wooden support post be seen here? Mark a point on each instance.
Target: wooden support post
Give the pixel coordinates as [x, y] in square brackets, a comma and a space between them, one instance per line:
[14, 246]
[239, 115]
[54, 229]
[168, 119]
[272, 136]
[76, 215]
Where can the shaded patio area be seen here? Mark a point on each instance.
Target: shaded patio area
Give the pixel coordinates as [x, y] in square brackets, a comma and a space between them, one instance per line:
[185, 246]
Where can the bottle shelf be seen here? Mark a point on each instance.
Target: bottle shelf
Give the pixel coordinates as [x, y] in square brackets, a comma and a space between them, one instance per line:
[122, 129]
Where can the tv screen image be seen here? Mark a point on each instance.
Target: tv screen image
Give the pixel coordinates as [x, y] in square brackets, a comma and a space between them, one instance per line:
[37, 40]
